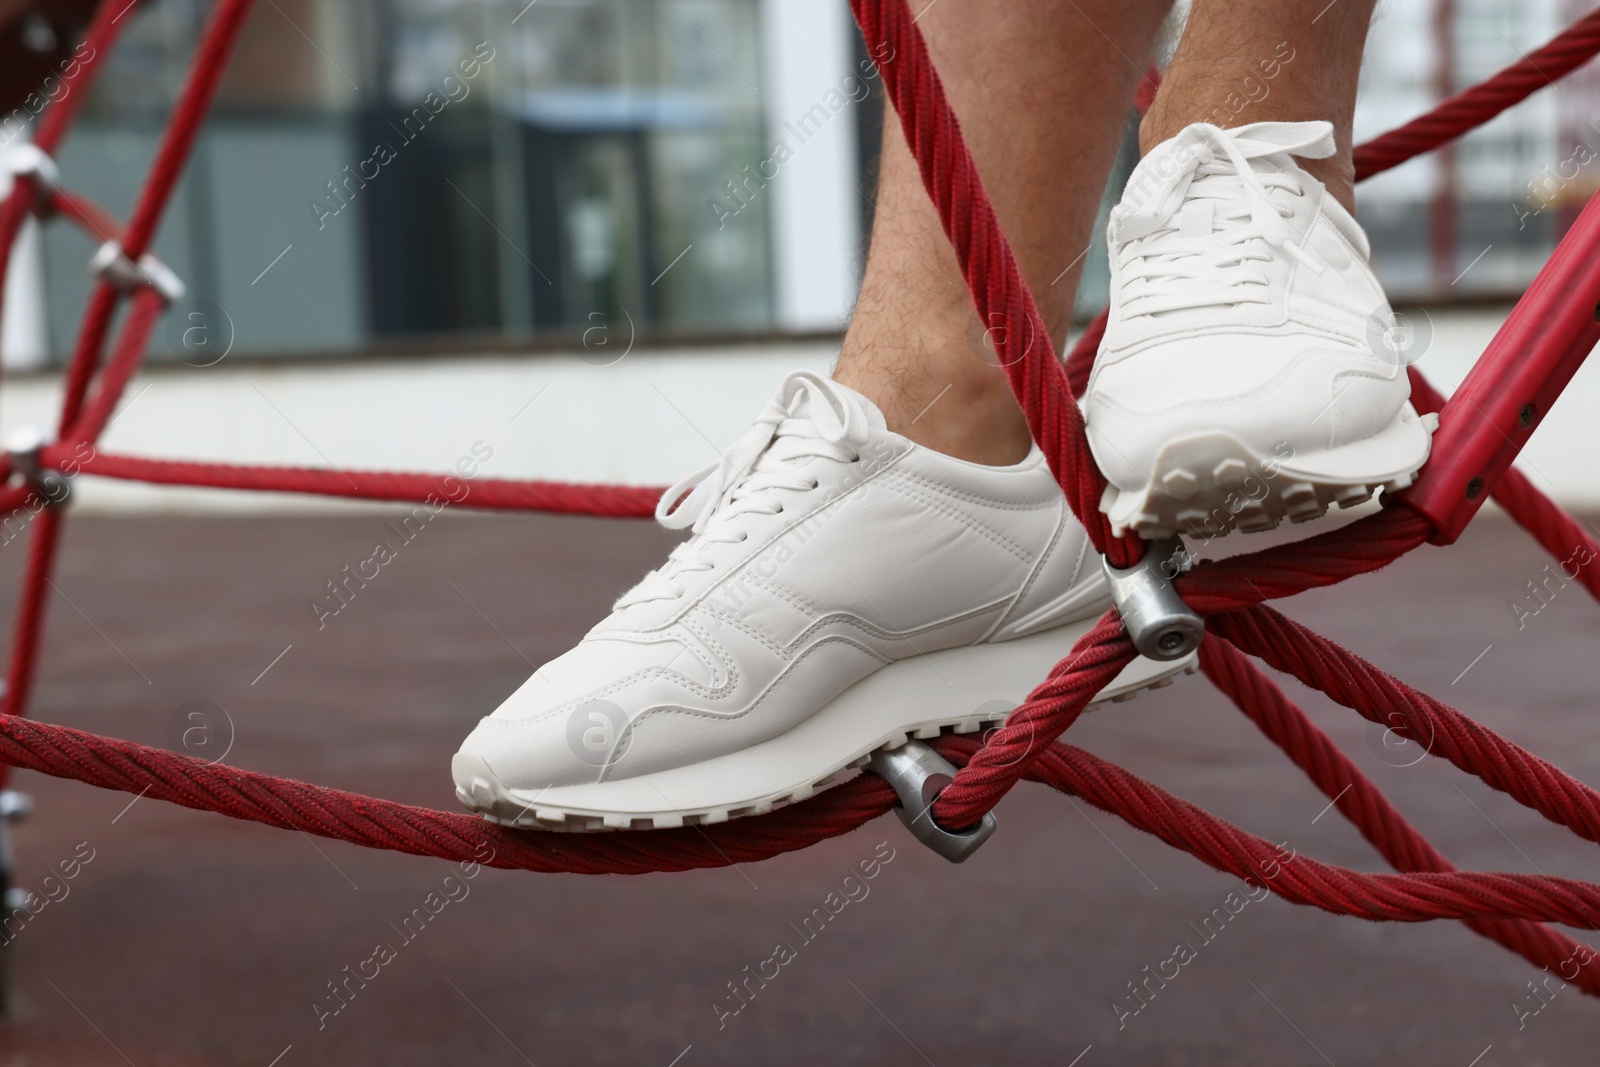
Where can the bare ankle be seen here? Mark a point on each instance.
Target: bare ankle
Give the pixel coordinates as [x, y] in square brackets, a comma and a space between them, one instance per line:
[970, 416]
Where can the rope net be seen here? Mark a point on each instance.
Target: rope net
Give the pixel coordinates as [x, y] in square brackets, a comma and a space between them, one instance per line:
[1508, 908]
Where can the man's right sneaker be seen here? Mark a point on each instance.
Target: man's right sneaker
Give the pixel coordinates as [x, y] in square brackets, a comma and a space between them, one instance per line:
[1248, 371]
[843, 589]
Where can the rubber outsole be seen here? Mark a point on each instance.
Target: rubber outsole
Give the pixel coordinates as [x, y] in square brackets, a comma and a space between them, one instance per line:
[960, 690]
[1207, 485]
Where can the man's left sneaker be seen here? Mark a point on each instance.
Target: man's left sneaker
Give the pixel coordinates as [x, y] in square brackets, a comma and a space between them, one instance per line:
[843, 589]
[1249, 371]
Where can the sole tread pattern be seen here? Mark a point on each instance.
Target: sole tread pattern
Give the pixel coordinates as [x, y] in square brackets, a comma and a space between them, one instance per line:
[1229, 488]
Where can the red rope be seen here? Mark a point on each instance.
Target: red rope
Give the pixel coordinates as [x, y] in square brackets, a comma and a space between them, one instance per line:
[1080, 361]
[1005, 304]
[222, 30]
[146, 309]
[96, 221]
[1353, 793]
[374, 823]
[1221, 586]
[103, 30]
[1473, 107]
[1409, 897]
[1229, 591]
[1045, 715]
[28, 629]
[614, 501]
[1566, 540]
[1437, 728]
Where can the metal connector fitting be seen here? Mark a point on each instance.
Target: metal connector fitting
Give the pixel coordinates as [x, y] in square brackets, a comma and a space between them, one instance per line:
[1160, 624]
[28, 160]
[15, 805]
[918, 774]
[121, 273]
[26, 445]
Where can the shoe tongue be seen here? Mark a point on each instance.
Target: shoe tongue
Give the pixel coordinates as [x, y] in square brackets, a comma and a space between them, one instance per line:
[1158, 185]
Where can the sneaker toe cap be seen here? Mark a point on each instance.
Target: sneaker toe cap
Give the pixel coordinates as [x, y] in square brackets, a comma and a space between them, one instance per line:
[1322, 396]
[573, 720]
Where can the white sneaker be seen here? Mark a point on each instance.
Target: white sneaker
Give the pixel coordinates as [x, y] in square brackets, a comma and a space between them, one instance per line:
[842, 589]
[1248, 370]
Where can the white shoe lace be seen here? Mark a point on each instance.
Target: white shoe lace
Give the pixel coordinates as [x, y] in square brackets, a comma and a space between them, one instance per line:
[741, 483]
[1197, 217]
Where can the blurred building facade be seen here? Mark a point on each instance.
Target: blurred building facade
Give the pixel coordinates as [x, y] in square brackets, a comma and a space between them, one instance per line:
[1479, 219]
[455, 174]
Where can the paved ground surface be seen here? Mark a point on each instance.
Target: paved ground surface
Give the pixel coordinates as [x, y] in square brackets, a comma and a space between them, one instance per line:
[190, 939]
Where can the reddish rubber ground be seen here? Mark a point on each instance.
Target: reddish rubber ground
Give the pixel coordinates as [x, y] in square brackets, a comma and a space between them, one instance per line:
[193, 939]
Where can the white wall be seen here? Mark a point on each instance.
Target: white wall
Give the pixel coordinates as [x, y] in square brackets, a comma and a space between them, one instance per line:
[24, 327]
[648, 419]
[816, 211]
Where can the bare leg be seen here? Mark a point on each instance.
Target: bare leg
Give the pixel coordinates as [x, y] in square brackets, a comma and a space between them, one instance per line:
[1042, 88]
[1243, 61]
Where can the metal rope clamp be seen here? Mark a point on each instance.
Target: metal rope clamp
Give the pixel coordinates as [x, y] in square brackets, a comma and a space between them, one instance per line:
[918, 774]
[26, 446]
[111, 266]
[14, 807]
[26, 160]
[1160, 624]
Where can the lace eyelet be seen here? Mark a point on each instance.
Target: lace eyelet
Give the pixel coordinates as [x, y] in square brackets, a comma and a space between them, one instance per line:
[779, 511]
[856, 458]
[815, 484]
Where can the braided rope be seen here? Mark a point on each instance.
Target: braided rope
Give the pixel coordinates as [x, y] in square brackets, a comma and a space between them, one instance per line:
[1473, 107]
[1500, 906]
[1355, 796]
[333, 813]
[615, 501]
[1005, 304]
[1438, 728]
[1412, 897]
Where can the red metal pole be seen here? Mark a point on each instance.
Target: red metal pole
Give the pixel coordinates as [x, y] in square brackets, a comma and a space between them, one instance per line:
[1535, 353]
[195, 98]
[101, 36]
[29, 629]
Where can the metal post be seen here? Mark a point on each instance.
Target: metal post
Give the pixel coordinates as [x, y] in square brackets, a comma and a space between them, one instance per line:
[1444, 214]
[14, 807]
